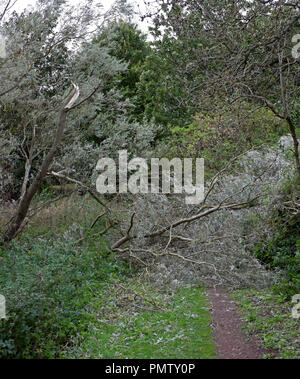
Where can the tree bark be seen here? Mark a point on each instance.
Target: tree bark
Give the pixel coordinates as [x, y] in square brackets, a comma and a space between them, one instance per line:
[296, 144]
[17, 222]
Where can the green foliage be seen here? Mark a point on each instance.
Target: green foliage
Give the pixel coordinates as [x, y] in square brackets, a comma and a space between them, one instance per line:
[268, 317]
[283, 249]
[50, 287]
[128, 44]
[161, 92]
[158, 91]
[221, 134]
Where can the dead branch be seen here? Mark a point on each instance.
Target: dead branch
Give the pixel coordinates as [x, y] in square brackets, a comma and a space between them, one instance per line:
[126, 237]
[82, 185]
[109, 225]
[97, 219]
[201, 214]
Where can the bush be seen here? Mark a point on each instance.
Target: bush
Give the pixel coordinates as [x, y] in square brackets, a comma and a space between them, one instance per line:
[283, 249]
[50, 288]
[223, 133]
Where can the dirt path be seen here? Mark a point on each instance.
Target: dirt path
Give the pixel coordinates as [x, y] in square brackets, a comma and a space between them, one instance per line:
[228, 336]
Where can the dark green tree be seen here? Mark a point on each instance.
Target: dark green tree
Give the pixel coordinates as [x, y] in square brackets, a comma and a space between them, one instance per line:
[128, 44]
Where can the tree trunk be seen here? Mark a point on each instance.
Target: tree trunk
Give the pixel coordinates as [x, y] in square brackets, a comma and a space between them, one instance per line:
[17, 222]
[296, 144]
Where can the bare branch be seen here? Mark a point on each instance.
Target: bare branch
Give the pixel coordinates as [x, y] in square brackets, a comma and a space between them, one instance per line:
[7, 7]
[126, 237]
[82, 185]
[97, 219]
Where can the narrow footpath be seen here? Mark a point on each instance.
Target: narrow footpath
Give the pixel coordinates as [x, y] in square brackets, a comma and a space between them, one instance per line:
[231, 342]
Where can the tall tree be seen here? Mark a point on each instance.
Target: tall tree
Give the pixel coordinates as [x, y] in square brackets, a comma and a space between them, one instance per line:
[129, 45]
[239, 50]
[48, 48]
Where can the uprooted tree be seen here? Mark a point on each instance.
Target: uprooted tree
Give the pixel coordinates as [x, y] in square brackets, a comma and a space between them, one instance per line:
[206, 242]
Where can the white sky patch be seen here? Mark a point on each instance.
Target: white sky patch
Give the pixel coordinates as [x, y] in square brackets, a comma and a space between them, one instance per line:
[2, 47]
[22, 4]
[139, 6]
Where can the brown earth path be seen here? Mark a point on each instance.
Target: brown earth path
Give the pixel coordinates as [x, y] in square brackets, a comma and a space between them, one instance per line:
[230, 341]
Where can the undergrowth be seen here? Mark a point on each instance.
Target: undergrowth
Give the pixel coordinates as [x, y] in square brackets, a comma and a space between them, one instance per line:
[282, 250]
[49, 286]
[269, 318]
[51, 281]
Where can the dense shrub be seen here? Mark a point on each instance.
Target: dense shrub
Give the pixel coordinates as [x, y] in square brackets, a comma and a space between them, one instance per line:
[223, 133]
[50, 289]
[283, 249]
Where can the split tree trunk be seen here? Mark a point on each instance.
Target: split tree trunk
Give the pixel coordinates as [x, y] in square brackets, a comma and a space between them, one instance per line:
[16, 224]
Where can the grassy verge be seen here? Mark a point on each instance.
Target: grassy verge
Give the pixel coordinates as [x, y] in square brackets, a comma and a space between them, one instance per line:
[175, 325]
[269, 317]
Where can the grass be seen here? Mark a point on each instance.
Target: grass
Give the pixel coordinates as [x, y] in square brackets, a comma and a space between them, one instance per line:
[181, 330]
[269, 317]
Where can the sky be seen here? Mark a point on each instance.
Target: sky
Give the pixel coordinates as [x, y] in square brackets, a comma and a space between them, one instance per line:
[21, 4]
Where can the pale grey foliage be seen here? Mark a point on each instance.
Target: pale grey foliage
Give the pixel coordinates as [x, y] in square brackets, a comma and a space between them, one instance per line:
[49, 47]
[218, 242]
[79, 158]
